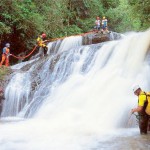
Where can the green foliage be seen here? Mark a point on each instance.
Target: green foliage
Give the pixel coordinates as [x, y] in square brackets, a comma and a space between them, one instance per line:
[3, 72]
[120, 17]
[4, 29]
[21, 21]
[130, 15]
[110, 4]
[142, 9]
[71, 30]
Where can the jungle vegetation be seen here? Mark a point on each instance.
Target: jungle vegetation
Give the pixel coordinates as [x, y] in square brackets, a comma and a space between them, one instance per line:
[21, 21]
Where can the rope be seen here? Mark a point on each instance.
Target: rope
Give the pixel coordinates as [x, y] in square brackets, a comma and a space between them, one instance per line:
[70, 36]
[129, 120]
[19, 57]
[137, 117]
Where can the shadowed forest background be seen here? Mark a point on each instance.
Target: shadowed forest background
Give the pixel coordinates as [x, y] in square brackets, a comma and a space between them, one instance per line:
[21, 21]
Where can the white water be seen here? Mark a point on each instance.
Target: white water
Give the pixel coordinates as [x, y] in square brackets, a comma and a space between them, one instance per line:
[85, 101]
[69, 42]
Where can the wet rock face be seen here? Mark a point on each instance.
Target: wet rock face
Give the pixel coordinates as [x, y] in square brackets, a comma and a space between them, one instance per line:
[6, 77]
[99, 37]
[3, 83]
[92, 37]
[89, 38]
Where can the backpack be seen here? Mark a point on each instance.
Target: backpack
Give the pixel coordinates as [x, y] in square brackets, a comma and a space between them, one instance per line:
[147, 110]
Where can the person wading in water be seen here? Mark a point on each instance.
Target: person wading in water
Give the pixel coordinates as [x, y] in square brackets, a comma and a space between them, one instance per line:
[143, 108]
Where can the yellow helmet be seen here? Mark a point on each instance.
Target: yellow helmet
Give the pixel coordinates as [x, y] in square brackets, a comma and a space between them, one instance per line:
[104, 17]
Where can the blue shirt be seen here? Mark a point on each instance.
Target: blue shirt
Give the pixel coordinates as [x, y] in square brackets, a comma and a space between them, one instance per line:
[4, 50]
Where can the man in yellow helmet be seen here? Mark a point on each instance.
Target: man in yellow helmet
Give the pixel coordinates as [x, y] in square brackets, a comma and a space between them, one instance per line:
[142, 109]
[104, 23]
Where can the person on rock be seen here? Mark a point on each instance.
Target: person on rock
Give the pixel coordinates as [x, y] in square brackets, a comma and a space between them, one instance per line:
[5, 55]
[41, 41]
[97, 23]
[104, 23]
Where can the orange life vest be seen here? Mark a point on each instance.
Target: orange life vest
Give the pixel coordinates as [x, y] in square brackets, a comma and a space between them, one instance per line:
[6, 50]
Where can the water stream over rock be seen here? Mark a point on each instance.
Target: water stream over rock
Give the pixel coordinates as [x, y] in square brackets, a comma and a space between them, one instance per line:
[78, 97]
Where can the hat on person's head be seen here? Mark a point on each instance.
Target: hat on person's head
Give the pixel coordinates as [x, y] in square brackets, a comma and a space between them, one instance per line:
[135, 88]
[7, 44]
[43, 35]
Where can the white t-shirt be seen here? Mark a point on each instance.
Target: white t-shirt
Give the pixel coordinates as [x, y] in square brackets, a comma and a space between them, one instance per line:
[98, 22]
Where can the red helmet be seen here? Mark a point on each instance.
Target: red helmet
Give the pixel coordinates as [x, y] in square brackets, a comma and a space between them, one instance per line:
[43, 35]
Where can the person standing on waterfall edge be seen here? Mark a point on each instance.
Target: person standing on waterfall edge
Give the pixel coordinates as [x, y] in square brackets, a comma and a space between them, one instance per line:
[5, 55]
[41, 41]
[104, 23]
[143, 109]
[97, 23]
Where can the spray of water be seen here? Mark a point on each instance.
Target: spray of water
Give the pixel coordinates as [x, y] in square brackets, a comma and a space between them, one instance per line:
[83, 93]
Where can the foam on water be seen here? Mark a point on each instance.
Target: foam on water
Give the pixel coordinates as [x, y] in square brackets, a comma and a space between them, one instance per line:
[86, 99]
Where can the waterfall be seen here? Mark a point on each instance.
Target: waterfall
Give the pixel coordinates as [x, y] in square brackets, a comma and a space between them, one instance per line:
[81, 91]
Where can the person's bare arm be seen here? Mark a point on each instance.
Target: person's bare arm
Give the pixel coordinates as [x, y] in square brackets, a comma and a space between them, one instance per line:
[138, 109]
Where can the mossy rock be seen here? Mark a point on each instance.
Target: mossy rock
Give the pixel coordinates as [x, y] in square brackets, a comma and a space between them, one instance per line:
[4, 71]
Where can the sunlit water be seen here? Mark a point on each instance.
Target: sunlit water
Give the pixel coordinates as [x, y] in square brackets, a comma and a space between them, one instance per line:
[83, 103]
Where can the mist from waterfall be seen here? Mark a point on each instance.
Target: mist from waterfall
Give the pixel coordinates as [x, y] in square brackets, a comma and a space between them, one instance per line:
[78, 94]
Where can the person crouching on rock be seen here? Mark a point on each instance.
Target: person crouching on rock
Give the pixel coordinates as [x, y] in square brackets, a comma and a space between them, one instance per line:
[41, 41]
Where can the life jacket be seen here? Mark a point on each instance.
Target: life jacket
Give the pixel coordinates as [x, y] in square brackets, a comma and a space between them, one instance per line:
[40, 42]
[146, 106]
[6, 50]
[104, 22]
[147, 110]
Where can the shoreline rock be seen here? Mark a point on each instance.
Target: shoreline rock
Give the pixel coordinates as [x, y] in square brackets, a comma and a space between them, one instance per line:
[4, 80]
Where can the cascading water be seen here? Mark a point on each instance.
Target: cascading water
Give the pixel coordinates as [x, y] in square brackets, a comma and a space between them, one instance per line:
[76, 96]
